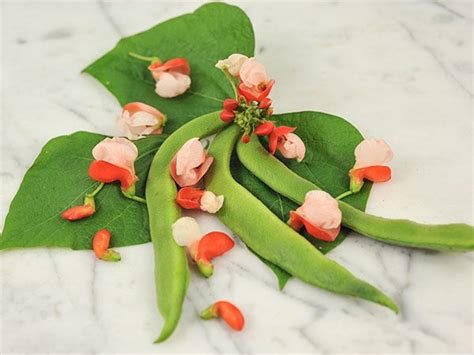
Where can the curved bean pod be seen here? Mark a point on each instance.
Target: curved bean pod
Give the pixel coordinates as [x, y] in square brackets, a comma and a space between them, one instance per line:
[274, 240]
[456, 237]
[171, 265]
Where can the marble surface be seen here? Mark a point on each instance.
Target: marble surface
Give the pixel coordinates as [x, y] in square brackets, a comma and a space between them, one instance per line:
[398, 70]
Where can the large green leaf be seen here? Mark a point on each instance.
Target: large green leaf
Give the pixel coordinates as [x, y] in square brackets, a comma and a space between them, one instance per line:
[212, 32]
[59, 179]
[330, 142]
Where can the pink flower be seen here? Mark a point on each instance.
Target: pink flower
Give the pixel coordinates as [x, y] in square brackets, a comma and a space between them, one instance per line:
[255, 85]
[232, 64]
[319, 214]
[114, 161]
[138, 120]
[291, 146]
[190, 163]
[371, 155]
[172, 77]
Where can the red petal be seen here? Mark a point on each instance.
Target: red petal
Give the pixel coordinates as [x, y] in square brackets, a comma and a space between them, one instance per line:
[230, 314]
[105, 172]
[178, 65]
[297, 222]
[377, 173]
[264, 129]
[265, 103]
[78, 212]
[100, 243]
[189, 198]
[272, 142]
[212, 245]
[230, 104]
[267, 90]
[245, 138]
[282, 131]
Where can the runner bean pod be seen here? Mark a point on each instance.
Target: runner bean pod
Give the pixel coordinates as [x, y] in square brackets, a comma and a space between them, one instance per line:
[271, 238]
[276, 175]
[171, 266]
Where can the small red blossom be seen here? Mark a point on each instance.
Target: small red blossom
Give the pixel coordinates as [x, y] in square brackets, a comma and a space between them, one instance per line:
[210, 246]
[228, 312]
[227, 116]
[78, 212]
[230, 104]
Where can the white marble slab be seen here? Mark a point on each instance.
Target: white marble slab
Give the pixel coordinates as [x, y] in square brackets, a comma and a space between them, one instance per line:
[397, 70]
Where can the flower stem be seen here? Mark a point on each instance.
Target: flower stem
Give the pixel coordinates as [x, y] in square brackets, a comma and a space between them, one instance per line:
[345, 194]
[141, 57]
[96, 191]
[134, 198]
[231, 81]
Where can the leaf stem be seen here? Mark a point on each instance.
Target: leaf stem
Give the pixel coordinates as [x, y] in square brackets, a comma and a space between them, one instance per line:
[134, 198]
[141, 57]
[231, 81]
[345, 194]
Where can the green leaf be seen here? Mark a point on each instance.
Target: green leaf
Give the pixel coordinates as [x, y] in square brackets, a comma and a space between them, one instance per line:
[212, 32]
[57, 180]
[330, 142]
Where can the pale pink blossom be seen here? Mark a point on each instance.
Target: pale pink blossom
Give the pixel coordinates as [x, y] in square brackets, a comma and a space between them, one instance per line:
[372, 152]
[172, 84]
[232, 64]
[190, 163]
[138, 120]
[117, 151]
[291, 146]
[255, 85]
[319, 214]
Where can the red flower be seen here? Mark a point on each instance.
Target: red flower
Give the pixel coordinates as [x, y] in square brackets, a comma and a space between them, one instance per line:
[210, 246]
[227, 116]
[277, 134]
[255, 93]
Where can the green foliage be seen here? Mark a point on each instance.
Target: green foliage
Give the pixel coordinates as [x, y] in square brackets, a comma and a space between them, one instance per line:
[212, 32]
[59, 179]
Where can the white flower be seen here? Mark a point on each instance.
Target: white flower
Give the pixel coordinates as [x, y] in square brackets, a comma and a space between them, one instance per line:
[232, 64]
[186, 231]
[210, 202]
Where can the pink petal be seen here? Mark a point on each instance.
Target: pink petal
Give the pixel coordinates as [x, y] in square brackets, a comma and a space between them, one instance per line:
[117, 151]
[321, 210]
[134, 107]
[170, 84]
[189, 156]
[292, 147]
[371, 152]
[253, 73]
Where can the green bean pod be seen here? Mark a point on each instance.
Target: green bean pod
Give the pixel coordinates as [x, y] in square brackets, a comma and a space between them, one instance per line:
[171, 265]
[275, 174]
[271, 238]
